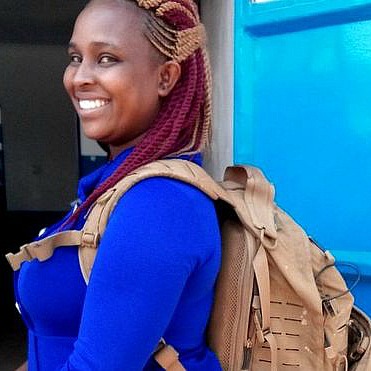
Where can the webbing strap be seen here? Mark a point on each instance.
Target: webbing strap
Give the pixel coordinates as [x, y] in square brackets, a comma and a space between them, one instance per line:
[274, 350]
[263, 324]
[168, 358]
[342, 363]
[261, 270]
[44, 249]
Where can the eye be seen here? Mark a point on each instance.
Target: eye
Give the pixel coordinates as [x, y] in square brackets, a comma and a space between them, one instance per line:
[107, 59]
[75, 59]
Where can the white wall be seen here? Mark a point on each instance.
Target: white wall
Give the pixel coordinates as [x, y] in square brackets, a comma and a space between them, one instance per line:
[89, 147]
[218, 17]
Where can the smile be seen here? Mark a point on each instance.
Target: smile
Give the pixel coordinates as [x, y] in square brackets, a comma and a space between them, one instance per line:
[86, 104]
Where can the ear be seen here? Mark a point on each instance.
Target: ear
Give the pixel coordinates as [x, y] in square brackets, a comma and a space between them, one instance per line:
[169, 74]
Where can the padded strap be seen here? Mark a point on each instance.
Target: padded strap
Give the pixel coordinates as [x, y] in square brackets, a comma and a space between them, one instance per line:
[183, 170]
[258, 196]
[258, 199]
[95, 224]
[101, 210]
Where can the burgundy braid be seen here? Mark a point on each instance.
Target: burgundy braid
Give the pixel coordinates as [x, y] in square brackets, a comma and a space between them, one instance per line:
[181, 113]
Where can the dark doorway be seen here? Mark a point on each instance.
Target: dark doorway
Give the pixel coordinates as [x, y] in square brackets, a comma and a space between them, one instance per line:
[39, 156]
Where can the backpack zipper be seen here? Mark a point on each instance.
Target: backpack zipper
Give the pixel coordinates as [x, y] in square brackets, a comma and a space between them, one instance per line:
[247, 349]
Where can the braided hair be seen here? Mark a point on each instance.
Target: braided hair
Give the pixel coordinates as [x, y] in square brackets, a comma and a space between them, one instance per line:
[183, 124]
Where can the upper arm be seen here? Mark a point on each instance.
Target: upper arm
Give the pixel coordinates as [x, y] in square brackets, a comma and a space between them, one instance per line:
[155, 238]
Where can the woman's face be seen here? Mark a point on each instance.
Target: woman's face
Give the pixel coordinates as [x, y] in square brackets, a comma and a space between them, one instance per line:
[113, 74]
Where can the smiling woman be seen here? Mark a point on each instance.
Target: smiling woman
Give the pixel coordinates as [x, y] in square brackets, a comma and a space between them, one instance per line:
[115, 86]
[139, 79]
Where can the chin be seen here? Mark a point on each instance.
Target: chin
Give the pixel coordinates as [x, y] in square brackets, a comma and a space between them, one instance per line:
[92, 134]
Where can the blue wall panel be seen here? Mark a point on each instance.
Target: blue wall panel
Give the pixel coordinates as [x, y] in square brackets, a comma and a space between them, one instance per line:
[303, 114]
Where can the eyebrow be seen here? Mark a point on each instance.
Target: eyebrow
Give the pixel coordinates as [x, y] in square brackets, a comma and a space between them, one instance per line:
[96, 44]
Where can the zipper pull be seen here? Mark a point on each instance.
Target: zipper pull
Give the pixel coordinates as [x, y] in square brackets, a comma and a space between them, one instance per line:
[247, 349]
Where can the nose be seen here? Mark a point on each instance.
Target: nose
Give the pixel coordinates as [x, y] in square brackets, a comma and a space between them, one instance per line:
[84, 74]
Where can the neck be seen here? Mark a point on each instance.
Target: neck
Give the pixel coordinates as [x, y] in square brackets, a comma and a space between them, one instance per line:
[115, 150]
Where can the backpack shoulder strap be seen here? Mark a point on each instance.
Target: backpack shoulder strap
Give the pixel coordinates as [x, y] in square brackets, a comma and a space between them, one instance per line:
[100, 212]
[253, 197]
[244, 188]
[255, 208]
[88, 238]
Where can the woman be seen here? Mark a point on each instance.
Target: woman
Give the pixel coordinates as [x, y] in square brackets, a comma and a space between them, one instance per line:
[139, 79]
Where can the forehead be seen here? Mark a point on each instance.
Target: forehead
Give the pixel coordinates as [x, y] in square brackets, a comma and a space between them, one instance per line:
[110, 22]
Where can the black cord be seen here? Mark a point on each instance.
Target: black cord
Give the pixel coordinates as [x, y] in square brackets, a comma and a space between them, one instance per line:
[354, 284]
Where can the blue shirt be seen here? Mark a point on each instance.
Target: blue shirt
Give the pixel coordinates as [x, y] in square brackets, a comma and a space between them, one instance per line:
[153, 276]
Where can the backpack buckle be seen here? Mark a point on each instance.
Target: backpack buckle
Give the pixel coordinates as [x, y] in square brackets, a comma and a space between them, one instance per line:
[260, 333]
[360, 344]
[90, 239]
[167, 357]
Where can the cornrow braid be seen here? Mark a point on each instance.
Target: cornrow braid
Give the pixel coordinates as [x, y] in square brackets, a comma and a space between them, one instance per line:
[183, 124]
[173, 5]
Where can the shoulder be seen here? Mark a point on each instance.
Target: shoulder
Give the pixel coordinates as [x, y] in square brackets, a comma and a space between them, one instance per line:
[171, 221]
[165, 194]
[168, 205]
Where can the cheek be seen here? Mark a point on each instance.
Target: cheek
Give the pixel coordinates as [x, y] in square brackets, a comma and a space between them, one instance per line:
[67, 79]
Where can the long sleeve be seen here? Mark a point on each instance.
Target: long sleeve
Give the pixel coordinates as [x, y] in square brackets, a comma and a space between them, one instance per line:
[154, 275]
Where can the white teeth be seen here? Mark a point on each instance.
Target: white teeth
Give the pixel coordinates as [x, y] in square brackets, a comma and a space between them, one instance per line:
[91, 104]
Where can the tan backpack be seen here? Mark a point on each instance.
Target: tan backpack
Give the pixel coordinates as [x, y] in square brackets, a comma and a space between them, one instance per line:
[280, 302]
